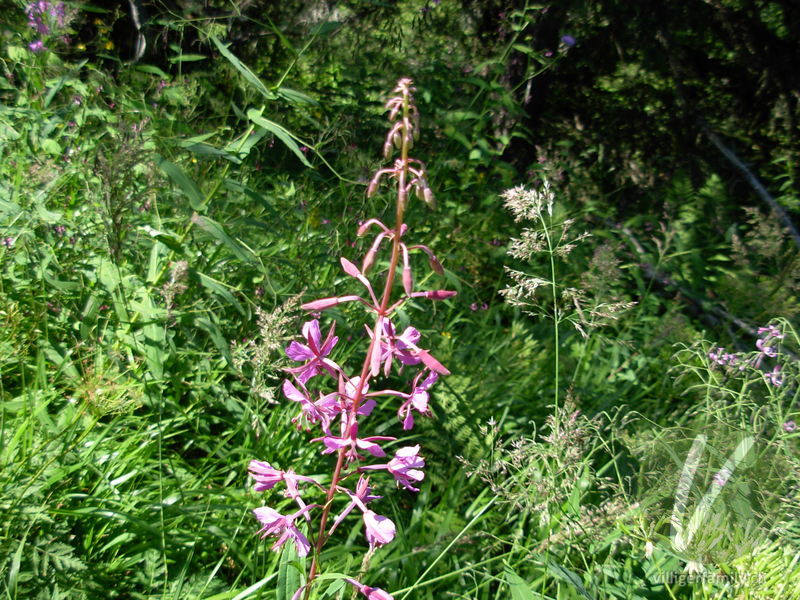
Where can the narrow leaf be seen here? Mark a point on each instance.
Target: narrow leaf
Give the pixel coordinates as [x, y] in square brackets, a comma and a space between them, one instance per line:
[282, 134]
[186, 185]
[243, 69]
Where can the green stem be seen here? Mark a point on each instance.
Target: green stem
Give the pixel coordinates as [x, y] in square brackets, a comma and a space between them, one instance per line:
[556, 318]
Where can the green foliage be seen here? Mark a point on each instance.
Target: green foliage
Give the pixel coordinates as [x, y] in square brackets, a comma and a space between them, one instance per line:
[161, 221]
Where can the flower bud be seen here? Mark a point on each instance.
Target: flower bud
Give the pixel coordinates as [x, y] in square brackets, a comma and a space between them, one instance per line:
[350, 268]
[408, 281]
[429, 198]
[440, 294]
[324, 303]
[369, 261]
[372, 188]
[435, 265]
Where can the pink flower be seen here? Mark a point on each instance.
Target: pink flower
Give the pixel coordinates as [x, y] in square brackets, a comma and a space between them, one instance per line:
[379, 530]
[766, 350]
[353, 443]
[789, 426]
[266, 477]
[405, 467]
[283, 526]
[358, 498]
[322, 411]
[370, 592]
[418, 399]
[347, 393]
[314, 352]
[774, 377]
[403, 347]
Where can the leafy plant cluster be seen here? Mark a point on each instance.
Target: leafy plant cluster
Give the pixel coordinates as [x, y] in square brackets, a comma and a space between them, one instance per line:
[164, 216]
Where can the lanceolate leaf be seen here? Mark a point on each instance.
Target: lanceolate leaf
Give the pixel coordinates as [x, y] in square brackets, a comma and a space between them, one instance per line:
[282, 134]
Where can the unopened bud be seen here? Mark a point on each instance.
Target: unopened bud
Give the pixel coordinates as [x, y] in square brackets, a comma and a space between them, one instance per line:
[324, 303]
[408, 281]
[350, 268]
[440, 294]
[372, 188]
[436, 265]
[434, 294]
[427, 195]
[369, 261]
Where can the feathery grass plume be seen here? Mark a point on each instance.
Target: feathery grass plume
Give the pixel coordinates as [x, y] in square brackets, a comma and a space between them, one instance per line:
[341, 399]
[552, 235]
[258, 359]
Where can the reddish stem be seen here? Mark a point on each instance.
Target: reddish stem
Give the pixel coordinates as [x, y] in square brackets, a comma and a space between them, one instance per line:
[402, 197]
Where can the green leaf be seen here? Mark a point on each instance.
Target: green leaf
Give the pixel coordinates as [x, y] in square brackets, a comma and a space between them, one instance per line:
[220, 290]
[520, 590]
[290, 571]
[215, 230]
[153, 70]
[207, 150]
[296, 97]
[246, 593]
[187, 58]
[242, 146]
[570, 577]
[154, 334]
[282, 134]
[13, 572]
[52, 147]
[243, 69]
[215, 333]
[167, 238]
[186, 185]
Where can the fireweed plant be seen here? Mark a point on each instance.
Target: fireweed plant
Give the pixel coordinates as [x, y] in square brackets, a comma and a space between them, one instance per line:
[340, 413]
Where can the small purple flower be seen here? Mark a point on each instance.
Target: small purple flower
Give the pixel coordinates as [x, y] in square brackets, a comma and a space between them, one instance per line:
[349, 439]
[722, 476]
[774, 376]
[766, 350]
[473, 307]
[314, 352]
[405, 467]
[8, 242]
[322, 411]
[789, 426]
[771, 331]
[718, 356]
[266, 477]
[568, 40]
[405, 348]
[360, 498]
[418, 399]
[37, 46]
[379, 530]
[371, 593]
[283, 526]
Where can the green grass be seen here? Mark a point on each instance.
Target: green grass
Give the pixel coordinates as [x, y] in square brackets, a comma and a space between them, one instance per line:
[149, 232]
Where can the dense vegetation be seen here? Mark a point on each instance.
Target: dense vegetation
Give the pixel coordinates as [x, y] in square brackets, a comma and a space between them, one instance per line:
[616, 185]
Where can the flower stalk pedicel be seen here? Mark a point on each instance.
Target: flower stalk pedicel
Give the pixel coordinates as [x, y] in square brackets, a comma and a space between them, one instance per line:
[340, 413]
